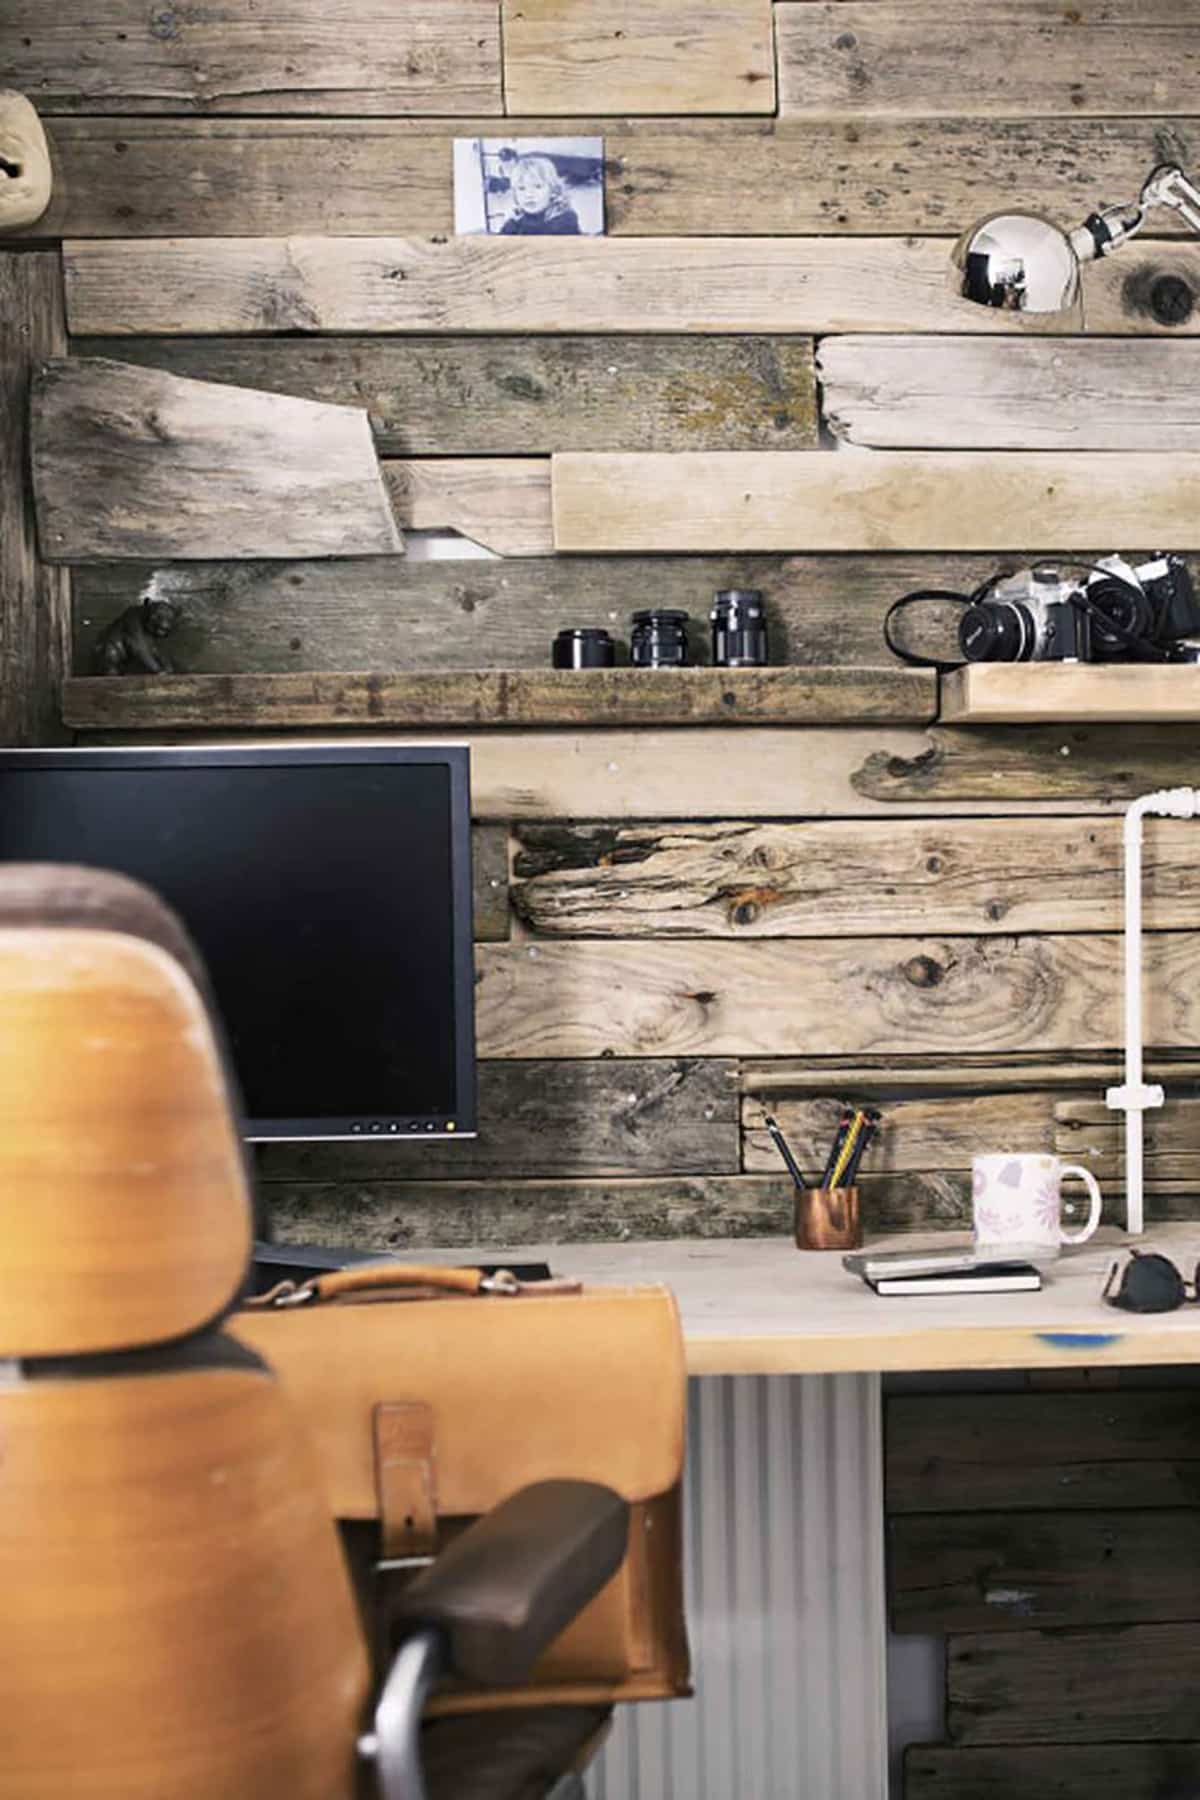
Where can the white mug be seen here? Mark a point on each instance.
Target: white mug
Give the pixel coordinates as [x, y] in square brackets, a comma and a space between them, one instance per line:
[1016, 1201]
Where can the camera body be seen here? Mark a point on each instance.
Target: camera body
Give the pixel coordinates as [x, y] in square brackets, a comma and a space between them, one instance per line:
[1107, 612]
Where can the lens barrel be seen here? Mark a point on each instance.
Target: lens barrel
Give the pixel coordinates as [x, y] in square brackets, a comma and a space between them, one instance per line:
[739, 628]
[583, 647]
[659, 639]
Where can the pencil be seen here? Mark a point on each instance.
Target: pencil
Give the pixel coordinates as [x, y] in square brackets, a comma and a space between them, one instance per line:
[839, 1138]
[781, 1144]
[847, 1150]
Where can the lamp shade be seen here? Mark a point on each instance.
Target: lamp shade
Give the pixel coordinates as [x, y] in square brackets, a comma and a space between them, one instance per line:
[1018, 262]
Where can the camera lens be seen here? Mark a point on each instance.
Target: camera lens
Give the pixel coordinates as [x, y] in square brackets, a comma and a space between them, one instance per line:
[659, 639]
[587, 647]
[739, 629]
[1117, 604]
[996, 631]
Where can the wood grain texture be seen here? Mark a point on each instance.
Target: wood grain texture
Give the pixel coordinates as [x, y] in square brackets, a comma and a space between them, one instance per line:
[638, 56]
[500, 698]
[1007, 1453]
[489, 396]
[1017, 57]
[607, 284]
[288, 56]
[874, 176]
[489, 878]
[885, 1077]
[656, 1116]
[1071, 1687]
[958, 393]
[34, 599]
[1087, 1132]
[827, 998]
[999, 694]
[502, 503]
[955, 1572]
[933, 1134]
[1051, 1771]
[869, 499]
[741, 879]
[133, 462]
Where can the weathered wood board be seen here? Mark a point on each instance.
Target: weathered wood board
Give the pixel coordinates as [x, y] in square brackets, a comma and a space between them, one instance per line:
[181, 177]
[638, 56]
[743, 879]
[935, 1076]
[134, 462]
[1005, 1453]
[999, 693]
[1012, 58]
[660, 1116]
[488, 396]
[825, 998]
[606, 284]
[961, 393]
[870, 500]
[955, 1572]
[284, 56]
[501, 502]
[915, 1134]
[1089, 1133]
[489, 875]
[1051, 1771]
[34, 602]
[1074, 1686]
[500, 698]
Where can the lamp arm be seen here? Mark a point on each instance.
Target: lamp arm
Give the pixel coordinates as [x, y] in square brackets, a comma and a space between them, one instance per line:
[1169, 186]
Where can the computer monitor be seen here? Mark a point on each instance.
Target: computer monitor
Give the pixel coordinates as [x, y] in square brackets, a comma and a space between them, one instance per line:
[328, 889]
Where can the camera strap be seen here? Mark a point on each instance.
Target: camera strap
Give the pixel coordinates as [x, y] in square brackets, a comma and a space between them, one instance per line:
[919, 595]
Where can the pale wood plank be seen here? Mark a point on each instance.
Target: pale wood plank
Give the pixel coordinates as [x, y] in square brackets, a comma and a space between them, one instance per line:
[501, 502]
[489, 883]
[740, 879]
[34, 598]
[504, 698]
[284, 56]
[869, 500]
[999, 693]
[1066, 1771]
[1087, 1132]
[489, 396]
[1012, 57]
[774, 998]
[133, 462]
[877, 1076]
[931, 1134]
[638, 56]
[181, 177]
[370, 284]
[952, 393]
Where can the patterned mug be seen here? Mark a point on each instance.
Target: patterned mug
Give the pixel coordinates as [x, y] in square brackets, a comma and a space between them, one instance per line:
[1017, 1205]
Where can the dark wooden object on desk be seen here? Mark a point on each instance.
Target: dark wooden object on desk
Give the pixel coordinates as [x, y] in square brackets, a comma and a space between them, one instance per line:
[828, 1219]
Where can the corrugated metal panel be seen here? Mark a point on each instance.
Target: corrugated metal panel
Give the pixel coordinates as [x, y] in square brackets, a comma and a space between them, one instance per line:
[785, 1603]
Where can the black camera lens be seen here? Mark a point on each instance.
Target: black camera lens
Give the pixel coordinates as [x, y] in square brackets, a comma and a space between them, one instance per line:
[739, 629]
[659, 639]
[583, 647]
[996, 631]
[1119, 612]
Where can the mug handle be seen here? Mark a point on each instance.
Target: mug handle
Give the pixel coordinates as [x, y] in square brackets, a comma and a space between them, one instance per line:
[1093, 1218]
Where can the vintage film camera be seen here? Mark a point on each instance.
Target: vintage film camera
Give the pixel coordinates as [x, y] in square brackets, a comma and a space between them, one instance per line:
[1107, 611]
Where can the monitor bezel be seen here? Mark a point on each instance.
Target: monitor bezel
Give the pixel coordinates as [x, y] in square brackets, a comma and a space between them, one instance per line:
[440, 1128]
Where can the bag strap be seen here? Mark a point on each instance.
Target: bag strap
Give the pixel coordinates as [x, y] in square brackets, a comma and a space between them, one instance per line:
[406, 1281]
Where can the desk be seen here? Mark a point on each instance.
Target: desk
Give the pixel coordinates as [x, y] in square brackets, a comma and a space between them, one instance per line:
[758, 1306]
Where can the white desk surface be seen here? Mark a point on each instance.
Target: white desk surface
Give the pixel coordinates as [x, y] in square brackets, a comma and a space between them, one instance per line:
[757, 1306]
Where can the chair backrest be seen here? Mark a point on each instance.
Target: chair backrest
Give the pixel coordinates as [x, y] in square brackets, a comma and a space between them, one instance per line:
[177, 1615]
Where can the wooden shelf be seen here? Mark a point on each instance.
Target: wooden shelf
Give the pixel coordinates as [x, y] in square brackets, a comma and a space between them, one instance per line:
[1071, 693]
[503, 698]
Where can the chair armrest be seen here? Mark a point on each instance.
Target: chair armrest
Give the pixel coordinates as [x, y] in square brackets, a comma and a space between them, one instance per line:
[501, 1592]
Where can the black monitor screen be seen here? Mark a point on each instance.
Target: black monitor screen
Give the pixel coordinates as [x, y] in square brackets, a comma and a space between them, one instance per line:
[329, 895]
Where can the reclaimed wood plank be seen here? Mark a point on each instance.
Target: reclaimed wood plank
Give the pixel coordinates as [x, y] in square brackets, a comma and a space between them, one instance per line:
[995, 694]
[611, 1117]
[941, 1133]
[870, 500]
[1016, 1452]
[284, 56]
[743, 879]
[1002, 760]
[184, 177]
[964, 1572]
[504, 698]
[134, 462]
[1072, 1686]
[488, 396]
[886, 1077]
[500, 502]
[917, 57]
[638, 56]
[489, 875]
[632, 998]
[958, 393]
[605, 284]
[1087, 1132]
[1051, 1771]
[34, 598]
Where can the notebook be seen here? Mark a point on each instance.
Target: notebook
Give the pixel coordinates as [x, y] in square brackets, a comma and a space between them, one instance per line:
[984, 1278]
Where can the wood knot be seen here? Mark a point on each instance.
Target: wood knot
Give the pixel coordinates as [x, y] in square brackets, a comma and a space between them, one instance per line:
[923, 971]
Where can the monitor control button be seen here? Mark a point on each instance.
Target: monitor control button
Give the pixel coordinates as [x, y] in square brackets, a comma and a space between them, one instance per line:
[375, 1125]
[356, 1125]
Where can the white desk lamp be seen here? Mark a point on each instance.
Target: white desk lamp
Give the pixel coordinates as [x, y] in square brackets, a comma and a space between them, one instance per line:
[1135, 1096]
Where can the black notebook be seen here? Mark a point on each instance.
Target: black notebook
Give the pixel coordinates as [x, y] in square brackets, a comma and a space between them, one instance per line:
[984, 1278]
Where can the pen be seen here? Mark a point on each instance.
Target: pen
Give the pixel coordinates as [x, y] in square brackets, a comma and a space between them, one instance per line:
[847, 1150]
[860, 1149]
[781, 1144]
[838, 1140]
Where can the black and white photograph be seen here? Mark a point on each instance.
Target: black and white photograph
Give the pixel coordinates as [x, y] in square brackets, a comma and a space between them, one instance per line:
[529, 187]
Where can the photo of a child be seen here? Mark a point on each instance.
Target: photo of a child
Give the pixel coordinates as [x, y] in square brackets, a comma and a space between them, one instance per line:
[529, 187]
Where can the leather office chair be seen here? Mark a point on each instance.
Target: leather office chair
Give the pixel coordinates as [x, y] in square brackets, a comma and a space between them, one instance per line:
[178, 1622]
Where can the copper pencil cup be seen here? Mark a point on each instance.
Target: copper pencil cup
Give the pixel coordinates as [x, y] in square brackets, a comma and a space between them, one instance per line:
[828, 1219]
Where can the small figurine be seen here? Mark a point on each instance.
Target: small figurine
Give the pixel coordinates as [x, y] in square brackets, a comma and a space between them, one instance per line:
[129, 645]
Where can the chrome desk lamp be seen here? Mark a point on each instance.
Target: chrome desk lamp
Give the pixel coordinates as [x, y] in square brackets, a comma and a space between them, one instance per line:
[1024, 263]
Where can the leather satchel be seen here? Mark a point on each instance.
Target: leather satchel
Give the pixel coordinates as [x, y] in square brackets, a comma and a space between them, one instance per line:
[426, 1415]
